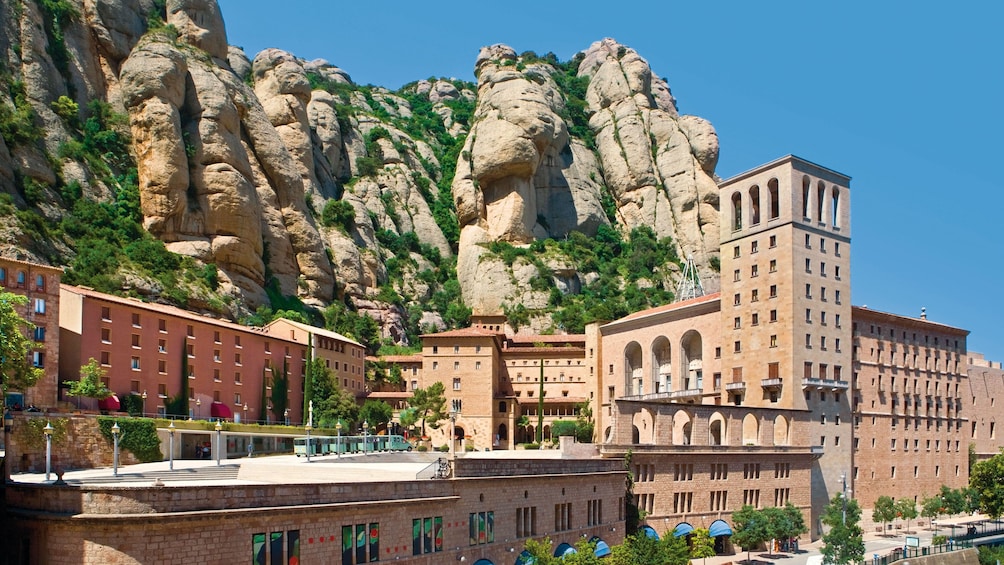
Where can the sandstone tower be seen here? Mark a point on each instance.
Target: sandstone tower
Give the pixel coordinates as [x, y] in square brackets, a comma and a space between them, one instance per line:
[785, 302]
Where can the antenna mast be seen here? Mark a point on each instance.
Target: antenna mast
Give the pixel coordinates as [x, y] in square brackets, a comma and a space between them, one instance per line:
[690, 283]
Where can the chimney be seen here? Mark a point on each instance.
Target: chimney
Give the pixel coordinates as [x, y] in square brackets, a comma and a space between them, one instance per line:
[923, 313]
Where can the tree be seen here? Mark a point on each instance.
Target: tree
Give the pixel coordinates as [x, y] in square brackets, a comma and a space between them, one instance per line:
[884, 511]
[280, 395]
[749, 529]
[430, 404]
[584, 424]
[906, 509]
[639, 549]
[987, 480]
[376, 412]
[16, 372]
[953, 500]
[796, 521]
[331, 402]
[408, 417]
[844, 542]
[930, 507]
[702, 545]
[90, 384]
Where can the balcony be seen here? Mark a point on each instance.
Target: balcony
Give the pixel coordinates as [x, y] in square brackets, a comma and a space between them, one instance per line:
[827, 384]
[771, 384]
[735, 387]
[688, 394]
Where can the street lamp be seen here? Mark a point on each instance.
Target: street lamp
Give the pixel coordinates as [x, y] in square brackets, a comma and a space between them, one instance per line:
[115, 456]
[47, 430]
[219, 435]
[338, 445]
[170, 430]
[366, 442]
[454, 413]
[285, 414]
[143, 396]
[843, 495]
[308, 427]
[269, 409]
[198, 408]
[245, 420]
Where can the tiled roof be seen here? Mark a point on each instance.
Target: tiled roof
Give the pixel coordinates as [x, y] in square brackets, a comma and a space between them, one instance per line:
[314, 329]
[671, 307]
[463, 332]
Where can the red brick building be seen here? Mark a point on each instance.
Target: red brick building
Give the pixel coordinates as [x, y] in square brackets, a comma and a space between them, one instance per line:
[40, 283]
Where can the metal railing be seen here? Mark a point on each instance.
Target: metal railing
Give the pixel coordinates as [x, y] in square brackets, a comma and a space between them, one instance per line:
[438, 469]
[898, 554]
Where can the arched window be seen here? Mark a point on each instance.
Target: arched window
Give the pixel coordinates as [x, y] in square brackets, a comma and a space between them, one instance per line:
[737, 211]
[717, 430]
[754, 205]
[820, 200]
[775, 203]
[691, 361]
[780, 430]
[751, 430]
[661, 366]
[805, 197]
[836, 207]
[633, 378]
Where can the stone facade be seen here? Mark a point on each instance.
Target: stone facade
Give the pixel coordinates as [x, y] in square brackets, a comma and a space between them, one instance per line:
[217, 523]
[986, 385]
[911, 431]
[40, 283]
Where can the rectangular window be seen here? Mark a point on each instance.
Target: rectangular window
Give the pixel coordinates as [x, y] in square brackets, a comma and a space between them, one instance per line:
[456, 383]
[735, 252]
[39, 333]
[754, 271]
[426, 535]
[754, 246]
[735, 275]
[105, 358]
[755, 295]
[135, 320]
[773, 315]
[773, 291]
[737, 347]
[38, 359]
[106, 313]
[808, 290]
[135, 340]
[162, 326]
[162, 367]
[526, 521]
[773, 241]
[773, 340]
[39, 306]
[361, 545]
[808, 265]
[135, 363]
[106, 335]
[756, 319]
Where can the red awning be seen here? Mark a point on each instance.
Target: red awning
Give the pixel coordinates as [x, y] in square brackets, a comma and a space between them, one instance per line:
[220, 410]
[110, 404]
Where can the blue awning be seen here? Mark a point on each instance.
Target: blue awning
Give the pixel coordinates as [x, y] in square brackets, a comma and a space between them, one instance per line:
[524, 558]
[602, 549]
[682, 529]
[563, 550]
[650, 532]
[483, 562]
[719, 528]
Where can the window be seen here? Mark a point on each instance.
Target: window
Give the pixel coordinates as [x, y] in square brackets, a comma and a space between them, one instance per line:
[808, 316]
[773, 265]
[191, 332]
[736, 347]
[105, 358]
[20, 279]
[756, 319]
[781, 496]
[822, 269]
[755, 295]
[735, 275]
[719, 499]
[754, 247]
[773, 241]
[40, 306]
[754, 271]
[135, 363]
[135, 340]
[361, 544]
[3, 275]
[836, 249]
[106, 335]
[836, 272]
[135, 320]
[822, 293]
[456, 365]
[808, 265]
[836, 296]
[808, 242]
[39, 333]
[822, 244]
[456, 383]
[162, 366]
[216, 356]
[162, 326]
[594, 512]
[719, 471]
[562, 516]
[270, 549]
[773, 315]
[456, 349]
[808, 341]
[735, 252]
[38, 359]
[773, 341]
[808, 290]
[427, 535]
[526, 521]
[477, 365]
[773, 291]
[237, 359]
[737, 322]
[683, 502]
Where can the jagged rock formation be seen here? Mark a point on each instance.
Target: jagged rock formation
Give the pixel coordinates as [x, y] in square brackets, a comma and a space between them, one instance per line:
[240, 159]
[520, 178]
[658, 165]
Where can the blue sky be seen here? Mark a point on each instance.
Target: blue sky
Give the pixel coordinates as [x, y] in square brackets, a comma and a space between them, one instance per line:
[906, 98]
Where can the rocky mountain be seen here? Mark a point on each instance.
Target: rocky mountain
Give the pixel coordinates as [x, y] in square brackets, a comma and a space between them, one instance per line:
[149, 157]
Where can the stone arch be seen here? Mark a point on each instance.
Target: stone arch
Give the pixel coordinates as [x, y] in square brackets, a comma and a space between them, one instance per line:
[820, 201]
[682, 428]
[608, 434]
[754, 205]
[546, 434]
[737, 211]
[835, 202]
[718, 430]
[662, 378]
[503, 436]
[775, 199]
[751, 430]
[634, 379]
[691, 360]
[806, 194]
[780, 430]
[635, 435]
[644, 426]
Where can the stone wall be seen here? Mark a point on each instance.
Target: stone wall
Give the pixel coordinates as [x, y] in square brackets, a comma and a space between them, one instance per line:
[80, 446]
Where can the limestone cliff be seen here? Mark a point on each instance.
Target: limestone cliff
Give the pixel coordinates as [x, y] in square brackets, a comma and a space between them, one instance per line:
[131, 125]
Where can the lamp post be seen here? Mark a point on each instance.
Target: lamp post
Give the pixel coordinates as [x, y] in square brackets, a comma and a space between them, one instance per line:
[309, 426]
[269, 409]
[245, 417]
[143, 396]
[115, 442]
[198, 408]
[219, 436]
[285, 415]
[47, 430]
[366, 441]
[454, 412]
[170, 431]
[338, 444]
